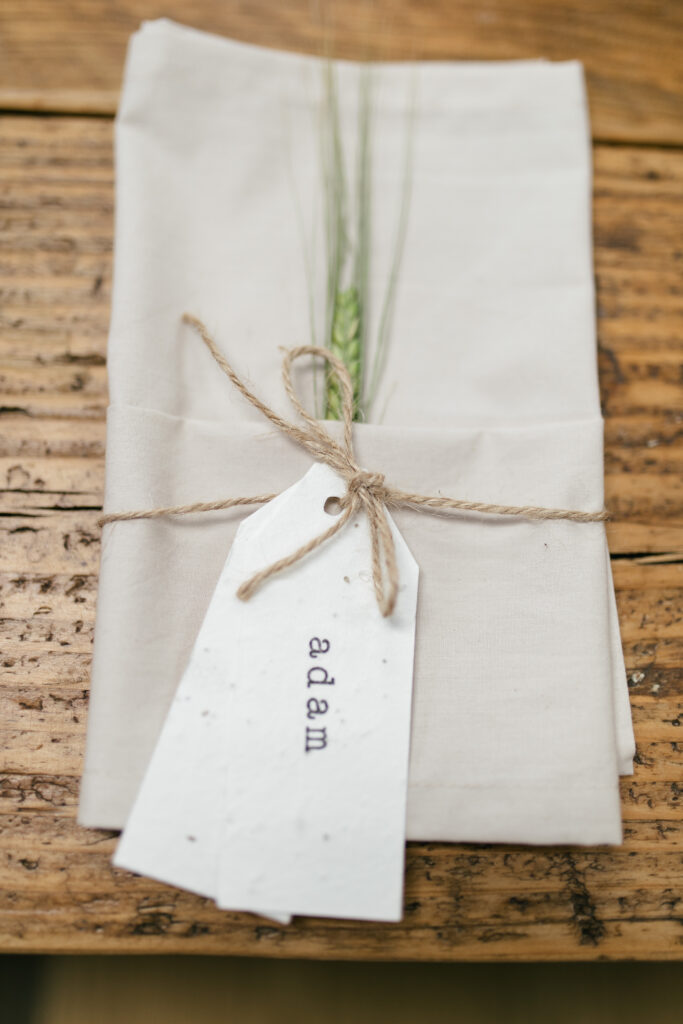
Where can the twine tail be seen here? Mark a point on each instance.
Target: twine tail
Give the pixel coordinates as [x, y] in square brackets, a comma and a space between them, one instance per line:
[250, 586]
[183, 510]
[383, 549]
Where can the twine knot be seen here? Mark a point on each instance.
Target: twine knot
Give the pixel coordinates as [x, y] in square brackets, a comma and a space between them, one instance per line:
[372, 485]
[365, 490]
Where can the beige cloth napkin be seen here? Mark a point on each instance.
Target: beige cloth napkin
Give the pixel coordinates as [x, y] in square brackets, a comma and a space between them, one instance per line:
[521, 722]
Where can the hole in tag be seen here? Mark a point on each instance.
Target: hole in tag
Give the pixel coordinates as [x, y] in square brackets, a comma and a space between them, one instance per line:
[333, 506]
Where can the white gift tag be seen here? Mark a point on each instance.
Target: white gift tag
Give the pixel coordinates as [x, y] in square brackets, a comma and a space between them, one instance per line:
[280, 776]
[320, 721]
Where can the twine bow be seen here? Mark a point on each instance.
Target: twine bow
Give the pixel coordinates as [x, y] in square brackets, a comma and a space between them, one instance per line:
[365, 491]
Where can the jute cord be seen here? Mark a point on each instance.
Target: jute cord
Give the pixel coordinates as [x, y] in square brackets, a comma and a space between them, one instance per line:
[365, 491]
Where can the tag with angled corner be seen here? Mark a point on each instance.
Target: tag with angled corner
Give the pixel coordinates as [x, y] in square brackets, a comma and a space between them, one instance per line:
[280, 777]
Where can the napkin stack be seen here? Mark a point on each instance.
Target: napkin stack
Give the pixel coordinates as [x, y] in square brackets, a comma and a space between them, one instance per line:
[521, 721]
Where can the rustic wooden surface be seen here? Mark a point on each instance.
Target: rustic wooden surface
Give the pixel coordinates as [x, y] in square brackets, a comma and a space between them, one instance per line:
[66, 55]
[58, 891]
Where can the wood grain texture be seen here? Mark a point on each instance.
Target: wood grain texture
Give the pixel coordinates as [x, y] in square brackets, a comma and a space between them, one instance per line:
[58, 891]
[66, 55]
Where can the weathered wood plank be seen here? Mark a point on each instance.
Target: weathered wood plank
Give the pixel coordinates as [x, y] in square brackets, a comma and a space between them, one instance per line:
[25, 437]
[460, 902]
[449, 882]
[69, 56]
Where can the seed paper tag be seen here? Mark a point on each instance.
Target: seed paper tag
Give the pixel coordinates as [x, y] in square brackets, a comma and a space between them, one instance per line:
[314, 804]
[280, 777]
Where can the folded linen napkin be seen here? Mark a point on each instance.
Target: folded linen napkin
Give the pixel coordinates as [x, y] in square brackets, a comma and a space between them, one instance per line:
[521, 721]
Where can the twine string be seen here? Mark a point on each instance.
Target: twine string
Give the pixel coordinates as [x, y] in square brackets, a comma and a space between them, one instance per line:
[366, 491]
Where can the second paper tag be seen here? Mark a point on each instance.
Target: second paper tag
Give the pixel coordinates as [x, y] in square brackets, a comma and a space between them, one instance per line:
[295, 711]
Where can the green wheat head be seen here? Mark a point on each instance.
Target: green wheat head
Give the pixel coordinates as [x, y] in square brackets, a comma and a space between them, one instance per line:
[345, 343]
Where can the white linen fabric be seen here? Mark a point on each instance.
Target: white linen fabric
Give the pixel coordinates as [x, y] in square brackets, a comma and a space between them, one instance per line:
[521, 723]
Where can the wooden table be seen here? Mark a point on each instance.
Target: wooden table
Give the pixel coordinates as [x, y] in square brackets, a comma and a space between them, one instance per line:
[60, 67]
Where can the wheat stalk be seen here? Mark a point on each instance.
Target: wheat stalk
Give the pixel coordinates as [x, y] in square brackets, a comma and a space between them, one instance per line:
[348, 252]
[347, 277]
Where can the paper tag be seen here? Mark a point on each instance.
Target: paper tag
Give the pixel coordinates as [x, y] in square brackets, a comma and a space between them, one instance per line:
[291, 726]
[173, 831]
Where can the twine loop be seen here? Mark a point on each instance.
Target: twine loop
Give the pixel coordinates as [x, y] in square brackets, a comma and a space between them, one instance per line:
[366, 491]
